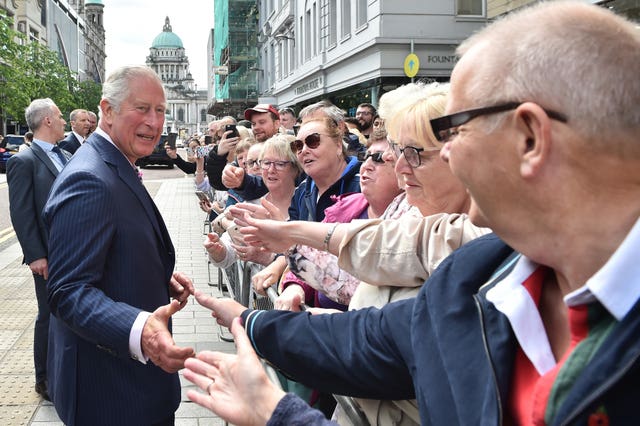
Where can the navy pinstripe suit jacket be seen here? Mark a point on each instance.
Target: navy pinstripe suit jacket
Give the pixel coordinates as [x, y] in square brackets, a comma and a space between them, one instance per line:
[110, 257]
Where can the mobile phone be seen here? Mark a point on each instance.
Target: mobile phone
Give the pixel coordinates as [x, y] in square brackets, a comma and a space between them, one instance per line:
[202, 196]
[234, 130]
[208, 140]
[171, 140]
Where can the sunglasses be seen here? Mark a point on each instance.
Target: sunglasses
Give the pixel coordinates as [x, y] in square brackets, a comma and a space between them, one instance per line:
[312, 141]
[376, 157]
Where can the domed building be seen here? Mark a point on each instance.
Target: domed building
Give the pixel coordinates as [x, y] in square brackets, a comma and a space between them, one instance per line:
[186, 105]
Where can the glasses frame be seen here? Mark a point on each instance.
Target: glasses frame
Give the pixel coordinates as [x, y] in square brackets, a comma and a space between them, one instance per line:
[376, 157]
[298, 144]
[279, 165]
[442, 126]
[249, 166]
[398, 151]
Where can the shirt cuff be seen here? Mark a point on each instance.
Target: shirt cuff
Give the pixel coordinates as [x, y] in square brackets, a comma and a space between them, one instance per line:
[135, 336]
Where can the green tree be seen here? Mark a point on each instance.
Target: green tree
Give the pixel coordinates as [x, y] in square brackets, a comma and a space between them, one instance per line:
[30, 70]
[13, 99]
[87, 95]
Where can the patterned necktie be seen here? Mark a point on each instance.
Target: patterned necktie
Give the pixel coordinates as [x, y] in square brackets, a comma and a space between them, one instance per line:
[60, 155]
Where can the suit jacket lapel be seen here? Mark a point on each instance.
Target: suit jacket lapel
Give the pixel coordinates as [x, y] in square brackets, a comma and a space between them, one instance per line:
[111, 155]
[42, 156]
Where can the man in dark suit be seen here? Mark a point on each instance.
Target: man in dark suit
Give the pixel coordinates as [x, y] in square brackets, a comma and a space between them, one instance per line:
[30, 174]
[112, 359]
[80, 129]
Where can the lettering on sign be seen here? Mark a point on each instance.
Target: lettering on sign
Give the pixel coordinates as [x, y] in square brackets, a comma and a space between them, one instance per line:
[442, 59]
[316, 83]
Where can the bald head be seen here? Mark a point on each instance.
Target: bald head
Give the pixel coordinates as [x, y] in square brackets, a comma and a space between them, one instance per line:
[561, 56]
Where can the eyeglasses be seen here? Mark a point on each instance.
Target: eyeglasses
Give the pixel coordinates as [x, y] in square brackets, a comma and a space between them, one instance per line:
[444, 128]
[312, 141]
[279, 165]
[251, 163]
[411, 153]
[363, 113]
[376, 157]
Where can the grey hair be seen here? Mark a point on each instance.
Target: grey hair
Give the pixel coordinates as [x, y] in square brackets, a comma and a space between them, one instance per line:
[75, 112]
[117, 87]
[577, 59]
[281, 145]
[327, 108]
[37, 111]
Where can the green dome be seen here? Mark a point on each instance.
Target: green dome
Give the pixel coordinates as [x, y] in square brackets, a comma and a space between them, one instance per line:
[99, 2]
[166, 38]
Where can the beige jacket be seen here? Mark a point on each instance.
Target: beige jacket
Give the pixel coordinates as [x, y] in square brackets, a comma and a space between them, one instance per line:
[402, 252]
[395, 257]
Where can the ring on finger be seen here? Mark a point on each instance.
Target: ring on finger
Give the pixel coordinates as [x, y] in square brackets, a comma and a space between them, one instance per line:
[209, 386]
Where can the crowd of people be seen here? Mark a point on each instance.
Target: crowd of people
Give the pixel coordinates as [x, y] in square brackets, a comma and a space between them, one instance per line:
[461, 254]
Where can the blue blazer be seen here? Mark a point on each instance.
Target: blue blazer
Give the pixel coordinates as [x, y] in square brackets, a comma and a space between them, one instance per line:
[70, 143]
[30, 174]
[110, 257]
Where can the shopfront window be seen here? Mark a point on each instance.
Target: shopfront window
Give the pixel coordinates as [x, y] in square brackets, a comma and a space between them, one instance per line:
[470, 7]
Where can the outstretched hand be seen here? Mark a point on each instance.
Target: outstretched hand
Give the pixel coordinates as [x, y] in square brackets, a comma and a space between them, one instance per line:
[223, 310]
[236, 386]
[157, 342]
[180, 288]
[269, 234]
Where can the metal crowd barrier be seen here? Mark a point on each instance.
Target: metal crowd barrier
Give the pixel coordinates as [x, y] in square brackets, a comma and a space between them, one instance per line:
[238, 278]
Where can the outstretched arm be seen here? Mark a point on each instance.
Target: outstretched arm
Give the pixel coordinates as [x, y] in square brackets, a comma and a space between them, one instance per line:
[236, 386]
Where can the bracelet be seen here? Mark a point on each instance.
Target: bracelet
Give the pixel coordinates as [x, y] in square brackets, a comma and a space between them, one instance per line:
[327, 238]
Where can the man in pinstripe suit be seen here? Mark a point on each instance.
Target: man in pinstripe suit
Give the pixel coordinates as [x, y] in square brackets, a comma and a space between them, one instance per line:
[112, 359]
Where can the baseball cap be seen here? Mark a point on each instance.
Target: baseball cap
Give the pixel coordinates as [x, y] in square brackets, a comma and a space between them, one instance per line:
[261, 108]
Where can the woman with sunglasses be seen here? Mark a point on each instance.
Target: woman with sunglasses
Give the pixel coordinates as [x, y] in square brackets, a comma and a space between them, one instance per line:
[315, 276]
[279, 169]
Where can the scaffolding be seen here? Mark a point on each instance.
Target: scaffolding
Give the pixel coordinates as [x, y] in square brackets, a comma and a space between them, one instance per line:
[235, 57]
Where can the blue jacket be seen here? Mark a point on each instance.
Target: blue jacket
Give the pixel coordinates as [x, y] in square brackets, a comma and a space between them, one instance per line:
[110, 257]
[304, 205]
[449, 348]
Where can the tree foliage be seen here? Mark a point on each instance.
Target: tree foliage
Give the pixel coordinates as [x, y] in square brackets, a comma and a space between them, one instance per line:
[29, 70]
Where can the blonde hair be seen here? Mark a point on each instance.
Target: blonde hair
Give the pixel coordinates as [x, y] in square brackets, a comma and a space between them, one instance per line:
[280, 144]
[414, 112]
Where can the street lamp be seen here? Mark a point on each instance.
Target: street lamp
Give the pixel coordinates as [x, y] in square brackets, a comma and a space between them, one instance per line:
[281, 37]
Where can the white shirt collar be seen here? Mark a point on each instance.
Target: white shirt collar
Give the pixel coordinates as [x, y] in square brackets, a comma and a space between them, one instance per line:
[616, 286]
[511, 298]
[107, 137]
[80, 138]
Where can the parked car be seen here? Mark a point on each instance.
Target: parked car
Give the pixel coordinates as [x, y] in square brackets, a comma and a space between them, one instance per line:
[158, 156]
[9, 146]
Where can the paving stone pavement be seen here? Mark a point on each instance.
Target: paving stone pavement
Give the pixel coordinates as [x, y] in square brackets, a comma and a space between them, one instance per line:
[192, 326]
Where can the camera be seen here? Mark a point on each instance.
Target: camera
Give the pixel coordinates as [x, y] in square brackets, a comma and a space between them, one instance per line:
[233, 129]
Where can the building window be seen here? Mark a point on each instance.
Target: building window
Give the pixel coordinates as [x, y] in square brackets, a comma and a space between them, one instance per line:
[361, 13]
[333, 22]
[180, 114]
[470, 7]
[346, 18]
[307, 35]
[203, 115]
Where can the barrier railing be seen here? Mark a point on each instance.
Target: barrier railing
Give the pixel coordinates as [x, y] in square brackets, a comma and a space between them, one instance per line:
[239, 287]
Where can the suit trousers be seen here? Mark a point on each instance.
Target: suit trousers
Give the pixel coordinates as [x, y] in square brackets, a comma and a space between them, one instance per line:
[41, 329]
